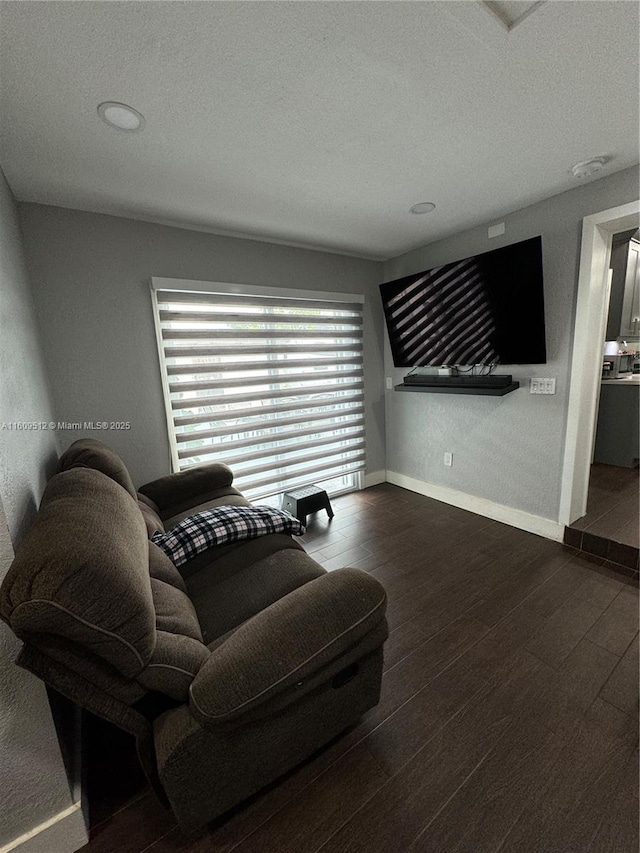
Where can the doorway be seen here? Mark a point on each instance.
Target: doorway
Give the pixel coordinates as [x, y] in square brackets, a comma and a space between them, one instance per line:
[586, 368]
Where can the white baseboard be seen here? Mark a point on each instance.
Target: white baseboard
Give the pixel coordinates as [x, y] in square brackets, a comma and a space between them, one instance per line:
[63, 833]
[482, 506]
[374, 479]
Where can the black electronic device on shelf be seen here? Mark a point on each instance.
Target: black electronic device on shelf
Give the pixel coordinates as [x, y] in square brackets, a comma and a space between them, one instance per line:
[431, 380]
[486, 385]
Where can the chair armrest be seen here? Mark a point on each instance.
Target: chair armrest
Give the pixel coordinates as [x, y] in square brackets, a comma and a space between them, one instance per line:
[287, 643]
[180, 488]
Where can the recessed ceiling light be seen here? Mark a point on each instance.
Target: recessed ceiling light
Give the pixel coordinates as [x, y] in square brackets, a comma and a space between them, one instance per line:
[121, 116]
[588, 167]
[423, 207]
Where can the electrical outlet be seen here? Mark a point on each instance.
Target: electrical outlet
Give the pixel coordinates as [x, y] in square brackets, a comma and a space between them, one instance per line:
[448, 459]
[542, 386]
[389, 383]
[496, 230]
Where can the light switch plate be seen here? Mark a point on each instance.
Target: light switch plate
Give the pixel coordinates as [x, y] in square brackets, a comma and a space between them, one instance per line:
[496, 230]
[543, 386]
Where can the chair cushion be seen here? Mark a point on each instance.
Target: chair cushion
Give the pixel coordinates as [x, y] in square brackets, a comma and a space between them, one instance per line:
[91, 453]
[222, 606]
[226, 560]
[81, 572]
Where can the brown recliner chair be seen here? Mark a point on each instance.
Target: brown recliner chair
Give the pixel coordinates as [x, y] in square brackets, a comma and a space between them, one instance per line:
[229, 672]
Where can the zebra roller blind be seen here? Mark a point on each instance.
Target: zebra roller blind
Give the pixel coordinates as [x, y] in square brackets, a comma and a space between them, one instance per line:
[272, 386]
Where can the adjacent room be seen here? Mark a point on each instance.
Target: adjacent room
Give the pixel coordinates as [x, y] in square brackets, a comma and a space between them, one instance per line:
[293, 554]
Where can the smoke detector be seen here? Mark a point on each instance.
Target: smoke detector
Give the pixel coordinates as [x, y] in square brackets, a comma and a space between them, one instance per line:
[588, 167]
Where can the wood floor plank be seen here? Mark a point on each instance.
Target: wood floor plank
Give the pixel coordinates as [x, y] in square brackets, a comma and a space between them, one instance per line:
[557, 698]
[486, 807]
[467, 580]
[561, 697]
[546, 599]
[373, 561]
[610, 487]
[403, 641]
[629, 534]
[392, 546]
[321, 808]
[518, 586]
[520, 687]
[562, 631]
[404, 733]
[344, 548]
[618, 625]
[314, 541]
[493, 654]
[584, 672]
[621, 690]
[404, 574]
[392, 819]
[410, 675]
[598, 589]
[343, 559]
[618, 830]
[611, 719]
[610, 523]
[567, 813]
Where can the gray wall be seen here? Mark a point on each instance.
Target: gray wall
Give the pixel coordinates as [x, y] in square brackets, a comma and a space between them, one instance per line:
[90, 275]
[507, 449]
[34, 785]
[25, 456]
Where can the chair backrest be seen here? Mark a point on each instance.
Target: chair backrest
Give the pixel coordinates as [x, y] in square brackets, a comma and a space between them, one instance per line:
[93, 454]
[88, 589]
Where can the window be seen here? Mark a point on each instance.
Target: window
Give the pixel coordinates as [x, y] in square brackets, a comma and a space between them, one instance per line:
[272, 385]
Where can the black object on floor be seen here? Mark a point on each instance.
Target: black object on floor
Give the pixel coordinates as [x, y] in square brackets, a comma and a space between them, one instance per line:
[303, 501]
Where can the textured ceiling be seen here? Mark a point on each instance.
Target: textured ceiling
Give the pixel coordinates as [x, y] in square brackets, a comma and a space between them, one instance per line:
[316, 124]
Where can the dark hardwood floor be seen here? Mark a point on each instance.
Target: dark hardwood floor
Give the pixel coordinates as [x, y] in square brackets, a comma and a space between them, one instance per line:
[613, 505]
[508, 715]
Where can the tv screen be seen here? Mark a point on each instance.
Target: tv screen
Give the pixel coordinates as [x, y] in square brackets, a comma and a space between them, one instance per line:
[487, 309]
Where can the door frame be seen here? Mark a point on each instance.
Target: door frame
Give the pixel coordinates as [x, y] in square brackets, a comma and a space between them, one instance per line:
[586, 361]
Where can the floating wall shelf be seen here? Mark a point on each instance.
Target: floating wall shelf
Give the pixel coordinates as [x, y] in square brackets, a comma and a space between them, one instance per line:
[483, 390]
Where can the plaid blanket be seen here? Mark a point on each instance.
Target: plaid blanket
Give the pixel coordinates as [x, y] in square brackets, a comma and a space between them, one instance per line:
[220, 526]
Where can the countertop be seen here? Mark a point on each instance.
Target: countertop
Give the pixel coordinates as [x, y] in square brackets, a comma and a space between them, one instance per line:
[634, 379]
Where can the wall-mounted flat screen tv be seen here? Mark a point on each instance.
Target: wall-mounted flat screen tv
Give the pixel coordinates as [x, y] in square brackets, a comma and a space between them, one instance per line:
[487, 309]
